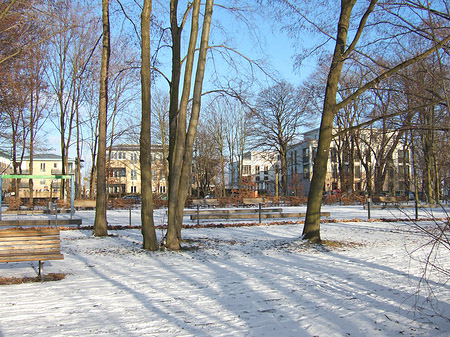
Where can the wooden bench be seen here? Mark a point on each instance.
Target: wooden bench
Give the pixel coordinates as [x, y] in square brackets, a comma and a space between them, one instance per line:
[84, 204]
[253, 201]
[29, 244]
[205, 202]
[388, 200]
[247, 214]
[41, 223]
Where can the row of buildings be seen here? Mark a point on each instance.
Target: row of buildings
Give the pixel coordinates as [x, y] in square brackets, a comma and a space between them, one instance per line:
[345, 172]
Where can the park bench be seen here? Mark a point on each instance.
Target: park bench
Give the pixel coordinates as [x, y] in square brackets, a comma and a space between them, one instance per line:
[246, 214]
[84, 204]
[388, 201]
[205, 202]
[253, 201]
[30, 244]
[41, 223]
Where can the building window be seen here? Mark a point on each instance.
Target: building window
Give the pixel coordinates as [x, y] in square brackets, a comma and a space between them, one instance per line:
[42, 166]
[122, 155]
[42, 182]
[55, 165]
[246, 170]
[133, 174]
[306, 155]
[117, 172]
[133, 189]
[162, 189]
[306, 171]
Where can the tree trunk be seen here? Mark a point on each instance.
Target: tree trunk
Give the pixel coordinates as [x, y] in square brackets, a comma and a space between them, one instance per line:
[181, 143]
[100, 224]
[150, 241]
[311, 230]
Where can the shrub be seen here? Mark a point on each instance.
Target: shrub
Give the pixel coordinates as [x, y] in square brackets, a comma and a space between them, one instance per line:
[13, 203]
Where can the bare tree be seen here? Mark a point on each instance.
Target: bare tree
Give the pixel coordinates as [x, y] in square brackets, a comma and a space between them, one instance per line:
[160, 126]
[69, 54]
[181, 136]
[100, 224]
[148, 228]
[278, 115]
[396, 20]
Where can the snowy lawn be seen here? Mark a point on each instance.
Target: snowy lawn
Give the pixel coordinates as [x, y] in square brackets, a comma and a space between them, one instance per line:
[244, 281]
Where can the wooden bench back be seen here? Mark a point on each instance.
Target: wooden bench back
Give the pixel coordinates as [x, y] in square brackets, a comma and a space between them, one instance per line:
[388, 199]
[30, 244]
[252, 201]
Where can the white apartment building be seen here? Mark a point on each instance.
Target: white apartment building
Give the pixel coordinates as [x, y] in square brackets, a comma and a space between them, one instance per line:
[261, 166]
[345, 171]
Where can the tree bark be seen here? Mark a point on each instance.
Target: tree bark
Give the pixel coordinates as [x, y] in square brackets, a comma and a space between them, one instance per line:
[100, 224]
[150, 241]
[311, 230]
[181, 143]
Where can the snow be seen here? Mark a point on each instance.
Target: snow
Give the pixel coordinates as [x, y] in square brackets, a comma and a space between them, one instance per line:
[236, 281]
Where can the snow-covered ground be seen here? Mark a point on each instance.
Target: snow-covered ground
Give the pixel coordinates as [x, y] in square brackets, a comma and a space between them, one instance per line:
[235, 281]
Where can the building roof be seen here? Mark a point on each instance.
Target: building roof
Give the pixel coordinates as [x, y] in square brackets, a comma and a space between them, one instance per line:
[4, 154]
[46, 157]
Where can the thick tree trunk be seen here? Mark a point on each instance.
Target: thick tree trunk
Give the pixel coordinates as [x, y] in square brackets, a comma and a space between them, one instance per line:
[150, 241]
[100, 224]
[311, 230]
[178, 141]
[180, 159]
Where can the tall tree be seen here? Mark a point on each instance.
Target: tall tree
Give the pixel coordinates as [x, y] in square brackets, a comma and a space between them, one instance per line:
[150, 241]
[181, 135]
[100, 224]
[276, 120]
[342, 53]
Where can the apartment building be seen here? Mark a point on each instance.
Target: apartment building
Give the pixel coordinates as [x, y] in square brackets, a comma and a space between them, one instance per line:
[346, 167]
[124, 170]
[44, 165]
[261, 166]
[5, 168]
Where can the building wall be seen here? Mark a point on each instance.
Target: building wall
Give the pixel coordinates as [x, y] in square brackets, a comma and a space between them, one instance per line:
[261, 166]
[44, 165]
[124, 172]
[301, 161]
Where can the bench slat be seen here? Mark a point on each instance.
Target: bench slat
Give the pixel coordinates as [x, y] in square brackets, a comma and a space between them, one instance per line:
[41, 222]
[28, 232]
[4, 248]
[39, 257]
[231, 211]
[30, 250]
[18, 239]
